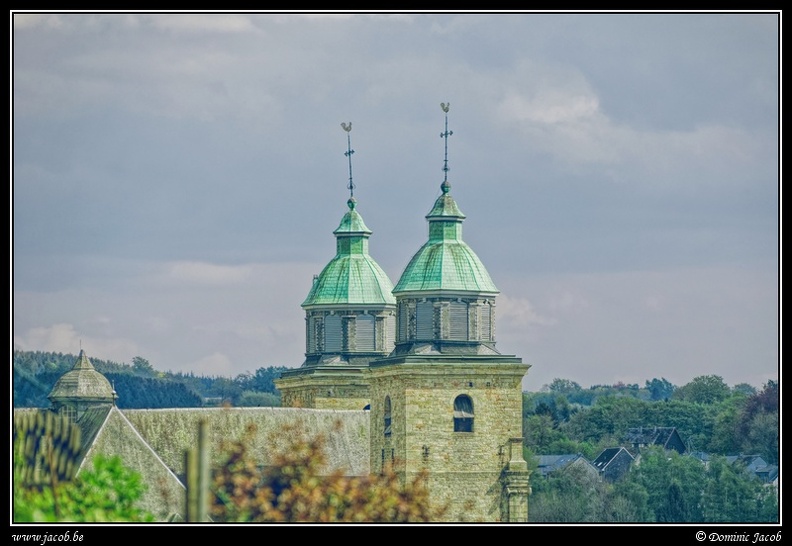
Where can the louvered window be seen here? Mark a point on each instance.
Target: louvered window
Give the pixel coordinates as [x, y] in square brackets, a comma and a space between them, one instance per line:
[486, 322]
[365, 333]
[424, 320]
[332, 330]
[458, 321]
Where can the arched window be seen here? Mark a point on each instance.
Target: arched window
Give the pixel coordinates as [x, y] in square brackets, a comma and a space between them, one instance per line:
[387, 417]
[463, 413]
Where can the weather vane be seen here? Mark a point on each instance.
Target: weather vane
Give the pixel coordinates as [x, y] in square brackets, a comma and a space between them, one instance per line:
[351, 186]
[444, 135]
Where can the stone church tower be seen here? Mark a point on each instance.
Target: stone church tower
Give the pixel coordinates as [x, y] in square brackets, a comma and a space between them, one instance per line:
[349, 319]
[445, 400]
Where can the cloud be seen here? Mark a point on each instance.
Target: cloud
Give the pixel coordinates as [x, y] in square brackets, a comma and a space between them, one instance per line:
[519, 313]
[65, 338]
[202, 22]
[214, 364]
[206, 273]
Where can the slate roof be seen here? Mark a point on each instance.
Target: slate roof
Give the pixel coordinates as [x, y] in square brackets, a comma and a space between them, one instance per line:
[607, 455]
[660, 436]
[551, 463]
[82, 383]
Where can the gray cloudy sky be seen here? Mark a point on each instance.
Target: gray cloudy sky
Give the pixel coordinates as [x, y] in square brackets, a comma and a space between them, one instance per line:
[177, 178]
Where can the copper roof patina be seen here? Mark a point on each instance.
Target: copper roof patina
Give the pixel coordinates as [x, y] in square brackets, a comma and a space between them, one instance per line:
[352, 277]
[82, 383]
[445, 261]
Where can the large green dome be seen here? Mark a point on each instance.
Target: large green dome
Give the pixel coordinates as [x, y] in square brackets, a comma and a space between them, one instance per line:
[445, 262]
[352, 276]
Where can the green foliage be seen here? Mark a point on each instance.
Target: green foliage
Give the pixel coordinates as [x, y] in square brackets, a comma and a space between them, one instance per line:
[107, 493]
[704, 389]
[296, 488]
[758, 424]
[577, 494]
[733, 495]
[143, 366]
[660, 389]
[562, 385]
[258, 399]
[674, 484]
[45, 456]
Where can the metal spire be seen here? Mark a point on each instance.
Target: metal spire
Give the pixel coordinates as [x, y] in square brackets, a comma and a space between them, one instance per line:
[444, 135]
[351, 186]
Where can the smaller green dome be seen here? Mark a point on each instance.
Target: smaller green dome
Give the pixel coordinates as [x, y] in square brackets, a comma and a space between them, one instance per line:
[82, 384]
[352, 277]
[445, 261]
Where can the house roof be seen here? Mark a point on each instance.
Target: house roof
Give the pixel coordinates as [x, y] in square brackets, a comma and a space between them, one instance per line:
[650, 435]
[551, 463]
[607, 456]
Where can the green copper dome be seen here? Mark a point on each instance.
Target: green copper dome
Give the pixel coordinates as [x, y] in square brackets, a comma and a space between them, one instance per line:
[445, 262]
[352, 277]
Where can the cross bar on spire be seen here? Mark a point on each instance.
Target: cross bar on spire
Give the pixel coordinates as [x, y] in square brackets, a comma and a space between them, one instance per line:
[351, 186]
[444, 135]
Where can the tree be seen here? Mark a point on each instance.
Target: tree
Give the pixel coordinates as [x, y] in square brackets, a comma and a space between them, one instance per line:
[704, 389]
[733, 495]
[143, 367]
[562, 386]
[660, 389]
[758, 424]
[673, 482]
[297, 488]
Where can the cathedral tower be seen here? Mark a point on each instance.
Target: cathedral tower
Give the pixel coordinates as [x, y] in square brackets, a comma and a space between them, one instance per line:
[349, 318]
[445, 400]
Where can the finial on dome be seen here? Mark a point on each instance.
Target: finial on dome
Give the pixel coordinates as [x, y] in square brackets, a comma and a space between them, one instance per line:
[351, 202]
[444, 135]
[351, 186]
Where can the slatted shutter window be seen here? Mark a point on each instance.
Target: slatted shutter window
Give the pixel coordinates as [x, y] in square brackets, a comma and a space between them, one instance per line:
[458, 321]
[333, 336]
[318, 334]
[486, 321]
[390, 332]
[404, 322]
[424, 320]
[365, 334]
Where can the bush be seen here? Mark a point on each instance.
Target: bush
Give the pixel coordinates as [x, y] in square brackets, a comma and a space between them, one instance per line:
[296, 488]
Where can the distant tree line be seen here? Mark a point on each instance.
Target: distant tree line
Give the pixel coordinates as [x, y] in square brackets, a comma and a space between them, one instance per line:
[140, 385]
[709, 415]
[564, 418]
